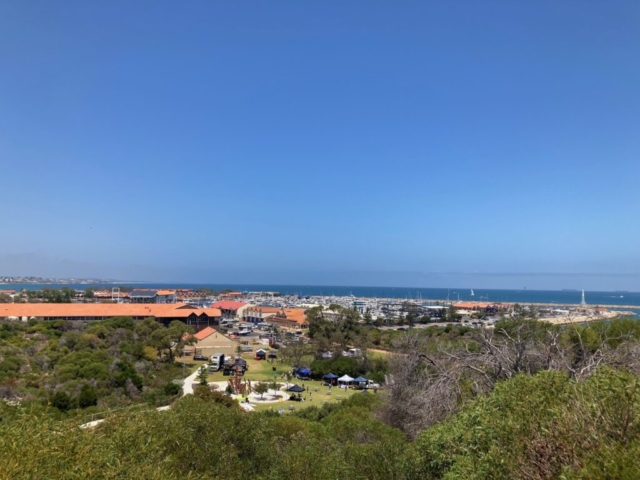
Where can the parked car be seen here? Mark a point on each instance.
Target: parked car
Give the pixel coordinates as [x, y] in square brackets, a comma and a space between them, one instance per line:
[198, 356]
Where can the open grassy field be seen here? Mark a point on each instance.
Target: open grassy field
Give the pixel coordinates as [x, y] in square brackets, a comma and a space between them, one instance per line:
[316, 395]
[264, 370]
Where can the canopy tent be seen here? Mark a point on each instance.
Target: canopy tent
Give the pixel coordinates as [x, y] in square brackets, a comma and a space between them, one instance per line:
[304, 372]
[345, 379]
[295, 388]
[330, 378]
[360, 380]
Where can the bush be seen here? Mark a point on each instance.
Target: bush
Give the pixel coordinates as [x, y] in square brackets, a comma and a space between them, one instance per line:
[172, 389]
[87, 397]
[62, 401]
[204, 393]
[540, 426]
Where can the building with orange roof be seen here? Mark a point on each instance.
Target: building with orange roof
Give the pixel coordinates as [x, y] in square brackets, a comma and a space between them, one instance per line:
[231, 295]
[204, 333]
[293, 318]
[230, 309]
[164, 313]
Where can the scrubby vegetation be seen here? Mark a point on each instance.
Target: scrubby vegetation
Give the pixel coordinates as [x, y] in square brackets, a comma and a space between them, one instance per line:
[94, 366]
[525, 400]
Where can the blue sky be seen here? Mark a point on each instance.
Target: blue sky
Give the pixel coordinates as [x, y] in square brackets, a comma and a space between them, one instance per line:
[486, 144]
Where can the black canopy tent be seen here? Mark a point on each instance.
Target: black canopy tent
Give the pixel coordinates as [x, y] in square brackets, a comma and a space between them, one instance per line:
[295, 388]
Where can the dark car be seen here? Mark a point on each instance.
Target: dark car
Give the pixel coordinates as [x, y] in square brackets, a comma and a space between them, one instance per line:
[200, 357]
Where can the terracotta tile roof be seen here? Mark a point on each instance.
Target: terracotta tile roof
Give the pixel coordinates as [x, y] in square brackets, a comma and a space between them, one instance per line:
[166, 292]
[204, 333]
[228, 305]
[290, 315]
[296, 314]
[105, 310]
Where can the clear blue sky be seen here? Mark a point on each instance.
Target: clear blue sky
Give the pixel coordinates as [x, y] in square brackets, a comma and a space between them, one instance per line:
[480, 144]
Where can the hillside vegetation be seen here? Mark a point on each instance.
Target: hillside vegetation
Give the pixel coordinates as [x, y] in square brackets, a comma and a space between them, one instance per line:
[92, 366]
[525, 400]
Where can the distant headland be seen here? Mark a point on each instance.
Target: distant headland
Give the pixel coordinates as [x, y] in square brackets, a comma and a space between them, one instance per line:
[9, 280]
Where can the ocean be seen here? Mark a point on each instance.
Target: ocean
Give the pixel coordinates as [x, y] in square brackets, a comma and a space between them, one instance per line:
[631, 299]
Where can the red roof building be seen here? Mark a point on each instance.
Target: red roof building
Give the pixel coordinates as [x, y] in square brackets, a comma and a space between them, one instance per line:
[229, 308]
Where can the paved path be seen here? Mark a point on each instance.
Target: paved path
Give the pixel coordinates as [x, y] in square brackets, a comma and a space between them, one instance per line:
[187, 386]
[95, 423]
[187, 389]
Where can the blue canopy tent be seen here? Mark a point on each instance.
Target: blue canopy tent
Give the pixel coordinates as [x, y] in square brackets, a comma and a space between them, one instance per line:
[360, 381]
[304, 372]
[331, 378]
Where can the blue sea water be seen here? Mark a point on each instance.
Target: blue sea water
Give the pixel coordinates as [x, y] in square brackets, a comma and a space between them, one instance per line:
[523, 296]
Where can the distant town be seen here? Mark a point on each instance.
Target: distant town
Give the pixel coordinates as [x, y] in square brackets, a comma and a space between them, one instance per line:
[203, 307]
[9, 280]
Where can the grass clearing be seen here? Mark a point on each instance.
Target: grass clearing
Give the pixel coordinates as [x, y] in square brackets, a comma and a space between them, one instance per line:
[316, 395]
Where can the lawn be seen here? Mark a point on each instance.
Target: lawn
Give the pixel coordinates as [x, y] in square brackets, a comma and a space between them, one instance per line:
[259, 370]
[263, 370]
[315, 395]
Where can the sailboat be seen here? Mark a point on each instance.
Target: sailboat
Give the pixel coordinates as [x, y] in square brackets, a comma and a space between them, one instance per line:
[472, 294]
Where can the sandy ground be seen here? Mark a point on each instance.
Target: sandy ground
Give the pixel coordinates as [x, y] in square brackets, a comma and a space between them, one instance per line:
[580, 318]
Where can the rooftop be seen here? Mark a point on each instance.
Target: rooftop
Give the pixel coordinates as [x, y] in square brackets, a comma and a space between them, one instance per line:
[228, 305]
[176, 310]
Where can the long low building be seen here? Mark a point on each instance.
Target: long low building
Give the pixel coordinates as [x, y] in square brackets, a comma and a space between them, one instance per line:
[163, 313]
[292, 318]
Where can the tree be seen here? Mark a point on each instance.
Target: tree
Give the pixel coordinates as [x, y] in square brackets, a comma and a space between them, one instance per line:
[87, 397]
[161, 340]
[61, 401]
[145, 329]
[261, 388]
[181, 334]
[203, 375]
[68, 294]
[274, 385]
[453, 315]
[293, 352]
[4, 298]
[88, 293]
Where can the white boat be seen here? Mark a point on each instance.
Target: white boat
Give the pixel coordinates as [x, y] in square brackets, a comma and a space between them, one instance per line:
[472, 294]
